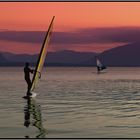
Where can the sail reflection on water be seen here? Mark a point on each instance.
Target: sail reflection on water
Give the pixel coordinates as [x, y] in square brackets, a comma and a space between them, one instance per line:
[32, 117]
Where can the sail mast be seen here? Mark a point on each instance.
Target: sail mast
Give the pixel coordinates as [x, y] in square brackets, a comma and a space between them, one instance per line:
[42, 55]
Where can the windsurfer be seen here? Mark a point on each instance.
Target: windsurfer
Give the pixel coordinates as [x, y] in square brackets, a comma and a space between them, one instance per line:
[27, 72]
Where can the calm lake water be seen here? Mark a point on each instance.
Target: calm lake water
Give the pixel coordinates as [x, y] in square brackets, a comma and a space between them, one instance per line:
[71, 103]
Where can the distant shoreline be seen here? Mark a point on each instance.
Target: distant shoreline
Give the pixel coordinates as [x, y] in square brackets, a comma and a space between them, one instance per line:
[63, 66]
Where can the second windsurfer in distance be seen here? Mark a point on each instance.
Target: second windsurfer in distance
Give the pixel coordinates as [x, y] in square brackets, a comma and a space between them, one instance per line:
[27, 72]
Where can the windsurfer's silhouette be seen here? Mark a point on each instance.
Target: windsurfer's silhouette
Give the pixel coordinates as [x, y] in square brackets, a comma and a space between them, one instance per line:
[98, 69]
[27, 72]
[99, 65]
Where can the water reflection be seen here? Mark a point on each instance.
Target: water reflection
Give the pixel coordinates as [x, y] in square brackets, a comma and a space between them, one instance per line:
[32, 117]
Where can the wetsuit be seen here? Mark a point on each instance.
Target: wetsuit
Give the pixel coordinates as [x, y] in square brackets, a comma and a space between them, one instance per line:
[27, 72]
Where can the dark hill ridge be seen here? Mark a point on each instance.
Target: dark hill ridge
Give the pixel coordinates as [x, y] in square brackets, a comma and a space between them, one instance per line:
[19, 57]
[69, 57]
[127, 55]
[62, 58]
[2, 58]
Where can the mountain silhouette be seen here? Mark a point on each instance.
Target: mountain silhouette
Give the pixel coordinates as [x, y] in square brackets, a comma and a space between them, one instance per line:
[126, 55]
[60, 58]
[67, 57]
[3, 60]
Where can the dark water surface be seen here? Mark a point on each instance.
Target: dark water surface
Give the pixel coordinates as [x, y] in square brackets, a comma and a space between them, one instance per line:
[71, 102]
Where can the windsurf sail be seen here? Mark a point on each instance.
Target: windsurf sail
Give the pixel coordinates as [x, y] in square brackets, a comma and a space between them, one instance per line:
[100, 66]
[42, 56]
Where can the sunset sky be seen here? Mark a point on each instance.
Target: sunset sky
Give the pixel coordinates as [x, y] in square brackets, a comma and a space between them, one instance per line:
[78, 26]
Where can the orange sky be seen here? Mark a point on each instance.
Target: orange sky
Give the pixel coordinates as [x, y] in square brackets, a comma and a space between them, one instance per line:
[35, 15]
[70, 16]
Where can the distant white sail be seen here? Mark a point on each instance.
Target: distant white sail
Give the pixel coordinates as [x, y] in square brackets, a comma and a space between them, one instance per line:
[42, 56]
[100, 66]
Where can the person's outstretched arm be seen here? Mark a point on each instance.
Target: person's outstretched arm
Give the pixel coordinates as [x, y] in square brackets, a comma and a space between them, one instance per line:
[31, 70]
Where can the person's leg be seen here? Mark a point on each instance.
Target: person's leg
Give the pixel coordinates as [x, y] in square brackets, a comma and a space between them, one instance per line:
[29, 87]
